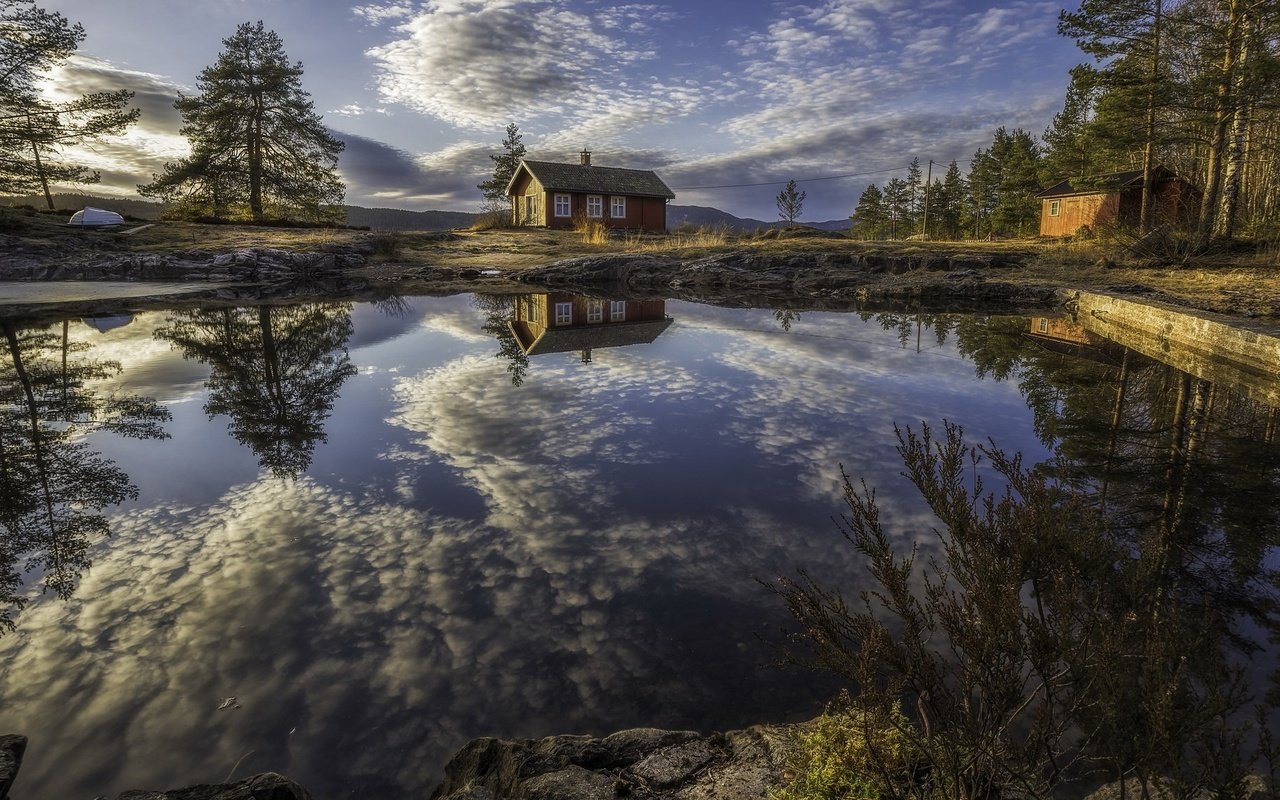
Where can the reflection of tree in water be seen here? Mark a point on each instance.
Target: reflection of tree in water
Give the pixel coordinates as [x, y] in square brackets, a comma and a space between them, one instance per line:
[1123, 646]
[498, 309]
[276, 371]
[786, 317]
[53, 486]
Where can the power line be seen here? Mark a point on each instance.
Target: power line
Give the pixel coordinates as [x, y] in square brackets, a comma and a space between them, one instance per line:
[805, 180]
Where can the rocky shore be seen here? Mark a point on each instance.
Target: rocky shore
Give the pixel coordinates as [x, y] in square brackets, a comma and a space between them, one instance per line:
[957, 280]
[641, 763]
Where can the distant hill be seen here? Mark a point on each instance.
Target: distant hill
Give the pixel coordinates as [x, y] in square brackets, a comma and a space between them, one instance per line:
[831, 225]
[140, 209]
[711, 218]
[715, 218]
[396, 219]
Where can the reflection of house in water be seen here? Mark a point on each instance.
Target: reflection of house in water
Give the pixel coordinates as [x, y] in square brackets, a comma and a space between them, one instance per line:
[560, 322]
[1066, 335]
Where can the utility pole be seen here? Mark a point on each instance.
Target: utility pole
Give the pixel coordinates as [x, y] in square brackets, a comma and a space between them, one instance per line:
[928, 183]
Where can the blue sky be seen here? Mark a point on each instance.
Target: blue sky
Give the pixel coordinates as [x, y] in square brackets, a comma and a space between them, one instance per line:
[706, 93]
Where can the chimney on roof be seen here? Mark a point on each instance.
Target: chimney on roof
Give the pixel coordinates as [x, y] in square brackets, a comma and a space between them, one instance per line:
[585, 157]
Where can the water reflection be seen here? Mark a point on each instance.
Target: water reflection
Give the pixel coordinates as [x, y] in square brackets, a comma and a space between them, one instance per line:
[53, 486]
[560, 322]
[467, 556]
[276, 371]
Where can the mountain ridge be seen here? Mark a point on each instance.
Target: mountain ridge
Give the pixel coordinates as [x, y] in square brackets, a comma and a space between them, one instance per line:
[399, 219]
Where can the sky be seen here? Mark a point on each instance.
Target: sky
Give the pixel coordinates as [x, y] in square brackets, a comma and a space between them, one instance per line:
[709, 94]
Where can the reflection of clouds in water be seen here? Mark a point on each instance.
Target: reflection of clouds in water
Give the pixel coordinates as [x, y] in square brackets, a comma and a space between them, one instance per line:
[460, 323]
[149, 367]
[385, 636]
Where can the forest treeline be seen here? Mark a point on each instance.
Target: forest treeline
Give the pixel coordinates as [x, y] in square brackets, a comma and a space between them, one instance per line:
[1193, 85]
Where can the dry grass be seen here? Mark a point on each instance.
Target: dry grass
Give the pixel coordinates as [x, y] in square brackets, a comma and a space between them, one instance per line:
[493, 221]
[592, 229]
[699, 238]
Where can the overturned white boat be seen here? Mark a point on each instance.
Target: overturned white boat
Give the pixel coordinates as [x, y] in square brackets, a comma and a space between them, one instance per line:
[91, 217]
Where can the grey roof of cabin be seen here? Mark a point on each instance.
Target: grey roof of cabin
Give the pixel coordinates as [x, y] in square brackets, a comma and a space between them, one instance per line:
[588, 337]
[1104, 184]
[601, 180]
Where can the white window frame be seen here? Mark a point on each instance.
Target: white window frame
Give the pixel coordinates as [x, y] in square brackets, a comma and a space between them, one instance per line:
[1044, 325]
[595, 206]
[1054, 207]
[530, 209]
[564, 313]
[618, 311]
[595, 311]
[618, 207]
[563, 205]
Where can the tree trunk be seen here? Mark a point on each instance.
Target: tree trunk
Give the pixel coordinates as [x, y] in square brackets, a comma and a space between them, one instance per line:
[255, 160]
[1222, 117]
[1241, 121]
[1145, 221]
[35, 151]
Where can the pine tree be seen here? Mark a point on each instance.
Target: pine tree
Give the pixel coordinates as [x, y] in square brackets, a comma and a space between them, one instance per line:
[1069, 147]
[897, 206]
[915, 197]
[1017, 209]
[790, 201]
[34, 130]
[1126, 38]
[255, 138]
[984, 180]
[869, 217]
[951, 202]
[504, 166]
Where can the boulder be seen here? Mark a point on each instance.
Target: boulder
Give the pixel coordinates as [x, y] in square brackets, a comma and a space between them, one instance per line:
[12, 748]
[266, 786]
[644, 762]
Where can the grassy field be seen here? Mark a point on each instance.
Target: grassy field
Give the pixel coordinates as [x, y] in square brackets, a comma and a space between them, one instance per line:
[1245, 281]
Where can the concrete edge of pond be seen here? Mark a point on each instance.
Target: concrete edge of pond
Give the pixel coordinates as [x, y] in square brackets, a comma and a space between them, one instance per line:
[1206, 346]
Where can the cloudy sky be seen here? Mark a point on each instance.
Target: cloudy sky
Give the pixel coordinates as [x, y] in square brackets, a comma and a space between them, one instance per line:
[709, 94]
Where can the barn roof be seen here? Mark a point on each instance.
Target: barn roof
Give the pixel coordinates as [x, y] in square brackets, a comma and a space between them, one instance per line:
[601, 180]
[1105, 183]
[611, 334]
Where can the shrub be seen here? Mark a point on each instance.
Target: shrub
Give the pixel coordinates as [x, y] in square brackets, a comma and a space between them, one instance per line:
[498, 219]
[850, 753]
[1043, 642]
[387, 244]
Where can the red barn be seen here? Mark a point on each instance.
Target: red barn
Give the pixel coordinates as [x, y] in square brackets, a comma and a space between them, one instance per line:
[1114, 199]
[551, 195]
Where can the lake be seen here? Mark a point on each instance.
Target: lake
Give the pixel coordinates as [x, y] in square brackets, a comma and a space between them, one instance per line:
[344, 539]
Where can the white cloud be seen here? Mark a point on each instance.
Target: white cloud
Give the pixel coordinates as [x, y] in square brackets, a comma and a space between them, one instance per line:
[480, 64]
[382, 14]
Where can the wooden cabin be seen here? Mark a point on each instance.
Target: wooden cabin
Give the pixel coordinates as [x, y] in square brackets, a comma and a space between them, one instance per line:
[1114, 199]
[560, 322]
[551, 195]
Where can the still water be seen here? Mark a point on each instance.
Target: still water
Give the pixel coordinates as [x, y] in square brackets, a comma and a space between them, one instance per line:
[345, 539]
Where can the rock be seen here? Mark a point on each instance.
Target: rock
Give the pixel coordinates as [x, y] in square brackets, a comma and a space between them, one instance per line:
[266, 786]
[673, 766]
[12, 748]
[572, 783]
[629, 746]
[645, 762]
